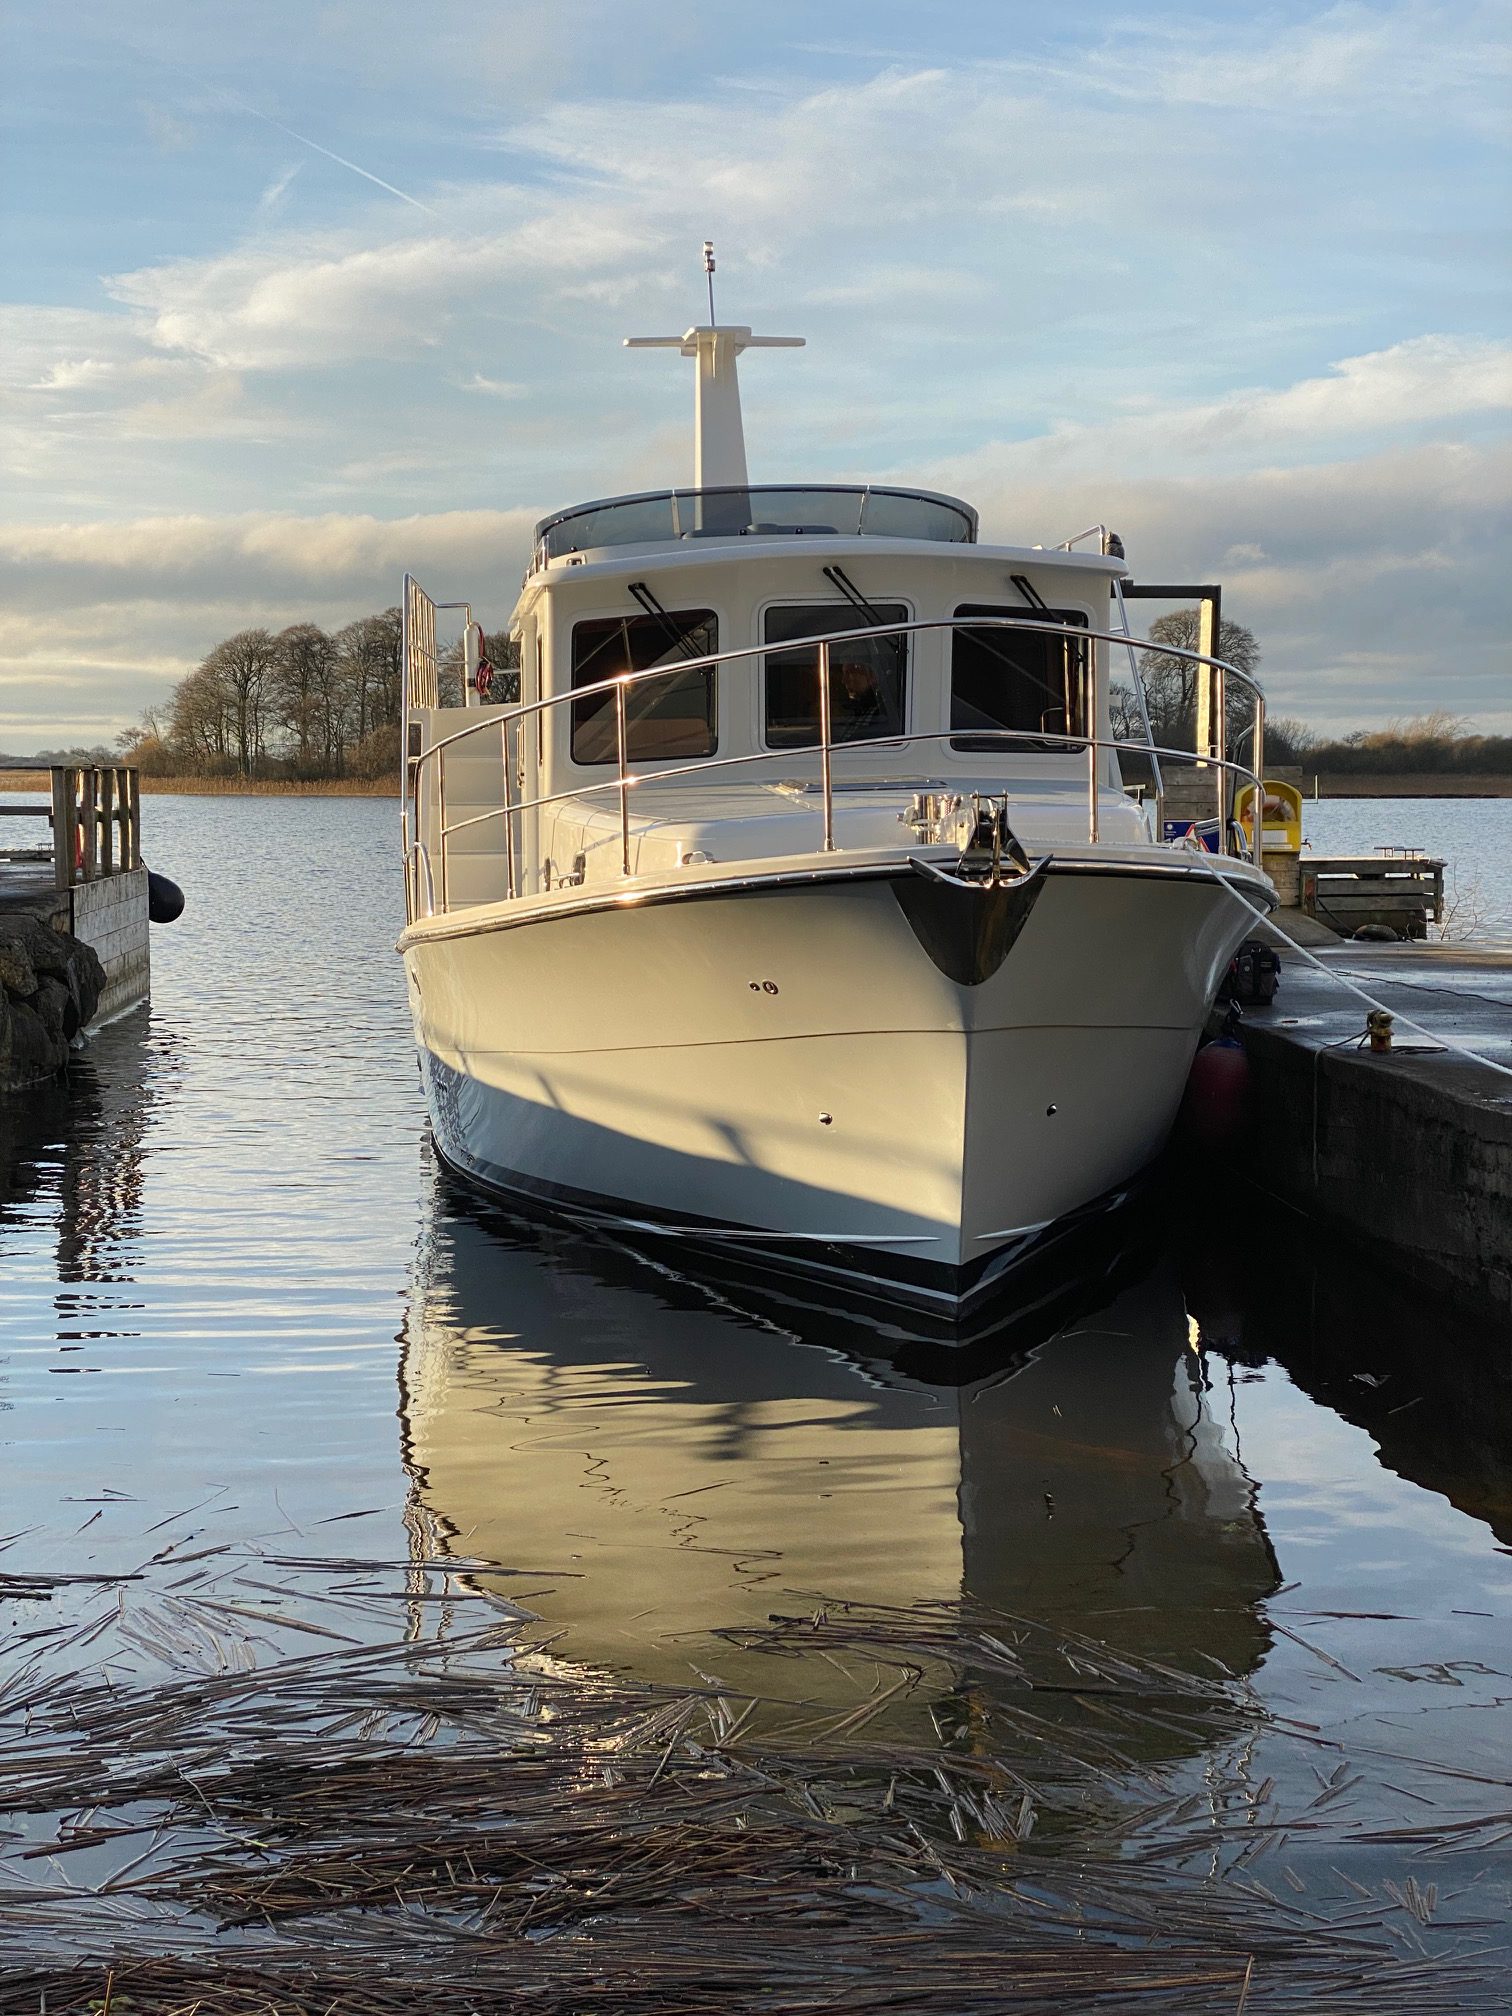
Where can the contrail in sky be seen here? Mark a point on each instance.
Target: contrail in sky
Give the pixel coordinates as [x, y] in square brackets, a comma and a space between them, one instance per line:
[340, 159]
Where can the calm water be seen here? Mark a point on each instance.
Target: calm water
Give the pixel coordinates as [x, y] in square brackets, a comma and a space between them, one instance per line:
[1473, 835]
[238, 1304]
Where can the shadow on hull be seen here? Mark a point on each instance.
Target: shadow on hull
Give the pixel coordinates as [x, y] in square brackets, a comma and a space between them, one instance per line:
[1030, 1292]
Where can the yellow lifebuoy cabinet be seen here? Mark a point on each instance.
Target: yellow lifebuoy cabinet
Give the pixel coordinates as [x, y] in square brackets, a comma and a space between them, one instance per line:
[1282, 833]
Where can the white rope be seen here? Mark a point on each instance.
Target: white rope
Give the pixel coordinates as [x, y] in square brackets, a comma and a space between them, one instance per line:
[1433, 1035]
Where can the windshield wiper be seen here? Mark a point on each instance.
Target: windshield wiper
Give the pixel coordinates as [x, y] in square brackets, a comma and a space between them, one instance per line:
[655, 610]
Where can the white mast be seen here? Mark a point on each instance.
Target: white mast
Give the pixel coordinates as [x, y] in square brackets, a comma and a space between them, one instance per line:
[719, 456]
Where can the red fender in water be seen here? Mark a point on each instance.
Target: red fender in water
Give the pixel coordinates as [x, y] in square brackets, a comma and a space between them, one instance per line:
[1215, 1105]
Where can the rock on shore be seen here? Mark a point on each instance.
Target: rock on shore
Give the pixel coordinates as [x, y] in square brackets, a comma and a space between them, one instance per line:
[50, 987]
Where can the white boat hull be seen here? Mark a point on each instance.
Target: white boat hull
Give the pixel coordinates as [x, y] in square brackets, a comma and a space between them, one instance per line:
[790, 1073]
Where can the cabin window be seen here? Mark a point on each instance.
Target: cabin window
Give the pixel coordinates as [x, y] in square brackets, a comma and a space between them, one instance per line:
[867, 677]
[665, 718]
[1016, 679]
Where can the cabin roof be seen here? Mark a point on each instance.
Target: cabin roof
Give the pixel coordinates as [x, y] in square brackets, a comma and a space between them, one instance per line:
[752, 553]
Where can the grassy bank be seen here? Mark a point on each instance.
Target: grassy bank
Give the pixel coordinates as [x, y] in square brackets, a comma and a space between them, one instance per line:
[229, 787]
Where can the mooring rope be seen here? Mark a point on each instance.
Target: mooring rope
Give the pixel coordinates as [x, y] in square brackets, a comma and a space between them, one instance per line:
[1433, 1035]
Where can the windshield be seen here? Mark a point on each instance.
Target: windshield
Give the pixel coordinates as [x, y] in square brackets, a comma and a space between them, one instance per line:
[664, 718]
[758, 511]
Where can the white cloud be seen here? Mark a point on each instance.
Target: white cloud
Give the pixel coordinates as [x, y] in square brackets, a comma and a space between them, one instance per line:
[168, 133]
[1376, 61]
[300, 304]
[1422, 383]
[272, 197]
[1374, 584]
[260, 556]
[1096, 273]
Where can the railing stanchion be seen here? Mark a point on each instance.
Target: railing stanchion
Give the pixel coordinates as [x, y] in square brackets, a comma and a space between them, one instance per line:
[1220, 751]
[1257, 755]
[624, 786]
[1094, 754]
[509, 843]
[430, 820]
[441, 827]
[62, 828]
[107, 822]
[825, 769]
[89, 819]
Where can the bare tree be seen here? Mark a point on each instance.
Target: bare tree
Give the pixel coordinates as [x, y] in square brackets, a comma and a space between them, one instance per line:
[1288, 740]
[241, 672]
[199, 718]
[1172, 682]
[368, 654]
[501, 653]
[303, 688]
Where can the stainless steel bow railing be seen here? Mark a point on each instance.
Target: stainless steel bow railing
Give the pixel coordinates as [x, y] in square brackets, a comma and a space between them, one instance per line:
[511, 721]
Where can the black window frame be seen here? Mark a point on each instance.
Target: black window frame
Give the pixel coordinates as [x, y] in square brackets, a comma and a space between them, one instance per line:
[825, 618]
[585, 716]
[975, 739]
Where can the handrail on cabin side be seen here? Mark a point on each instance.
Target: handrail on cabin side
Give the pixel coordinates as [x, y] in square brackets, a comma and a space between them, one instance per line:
[624, 780]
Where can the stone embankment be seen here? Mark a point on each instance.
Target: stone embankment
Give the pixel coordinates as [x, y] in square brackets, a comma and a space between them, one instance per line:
[51, 984]
[1408, 1151]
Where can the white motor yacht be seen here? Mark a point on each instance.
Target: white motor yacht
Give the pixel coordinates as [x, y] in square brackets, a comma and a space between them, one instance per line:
[797, 909]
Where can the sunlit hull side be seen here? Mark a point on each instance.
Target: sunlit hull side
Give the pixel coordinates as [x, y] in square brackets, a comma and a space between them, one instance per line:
[792, 1073]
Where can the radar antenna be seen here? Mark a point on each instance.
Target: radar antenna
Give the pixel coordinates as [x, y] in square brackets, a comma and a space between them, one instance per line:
[719, 456]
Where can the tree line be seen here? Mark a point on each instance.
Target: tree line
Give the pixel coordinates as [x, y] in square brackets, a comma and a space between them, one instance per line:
[1439, 744]
[301, 703]
[1433, 744]
[305, 703]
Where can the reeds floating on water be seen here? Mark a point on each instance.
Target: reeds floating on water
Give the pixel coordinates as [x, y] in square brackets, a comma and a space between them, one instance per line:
[458, 1821]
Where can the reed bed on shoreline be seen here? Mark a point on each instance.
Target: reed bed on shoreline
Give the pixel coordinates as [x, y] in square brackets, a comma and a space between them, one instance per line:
[400, 1811]
[228, 787]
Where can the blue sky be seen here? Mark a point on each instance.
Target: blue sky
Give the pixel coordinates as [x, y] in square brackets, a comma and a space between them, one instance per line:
[1236, 284]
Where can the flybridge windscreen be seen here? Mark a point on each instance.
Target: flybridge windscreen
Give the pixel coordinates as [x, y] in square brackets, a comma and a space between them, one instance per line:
[757, 511]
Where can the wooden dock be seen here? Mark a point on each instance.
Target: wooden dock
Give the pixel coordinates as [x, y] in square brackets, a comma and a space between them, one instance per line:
[1397, 887]
[73, 862]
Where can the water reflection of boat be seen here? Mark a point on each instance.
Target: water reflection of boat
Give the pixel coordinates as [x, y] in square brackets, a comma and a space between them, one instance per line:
[571, 1413]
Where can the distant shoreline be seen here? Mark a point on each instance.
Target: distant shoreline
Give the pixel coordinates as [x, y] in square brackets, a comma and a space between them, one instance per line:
[1422, 784]
[229, 787]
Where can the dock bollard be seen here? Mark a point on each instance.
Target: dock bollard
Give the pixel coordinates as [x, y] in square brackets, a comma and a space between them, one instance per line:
[1378, 1029]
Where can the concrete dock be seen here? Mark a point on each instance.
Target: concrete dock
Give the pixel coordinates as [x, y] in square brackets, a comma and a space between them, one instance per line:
[1408, 1152]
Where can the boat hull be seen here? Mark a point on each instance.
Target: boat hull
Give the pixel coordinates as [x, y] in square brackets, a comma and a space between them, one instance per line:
[816, 1076]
